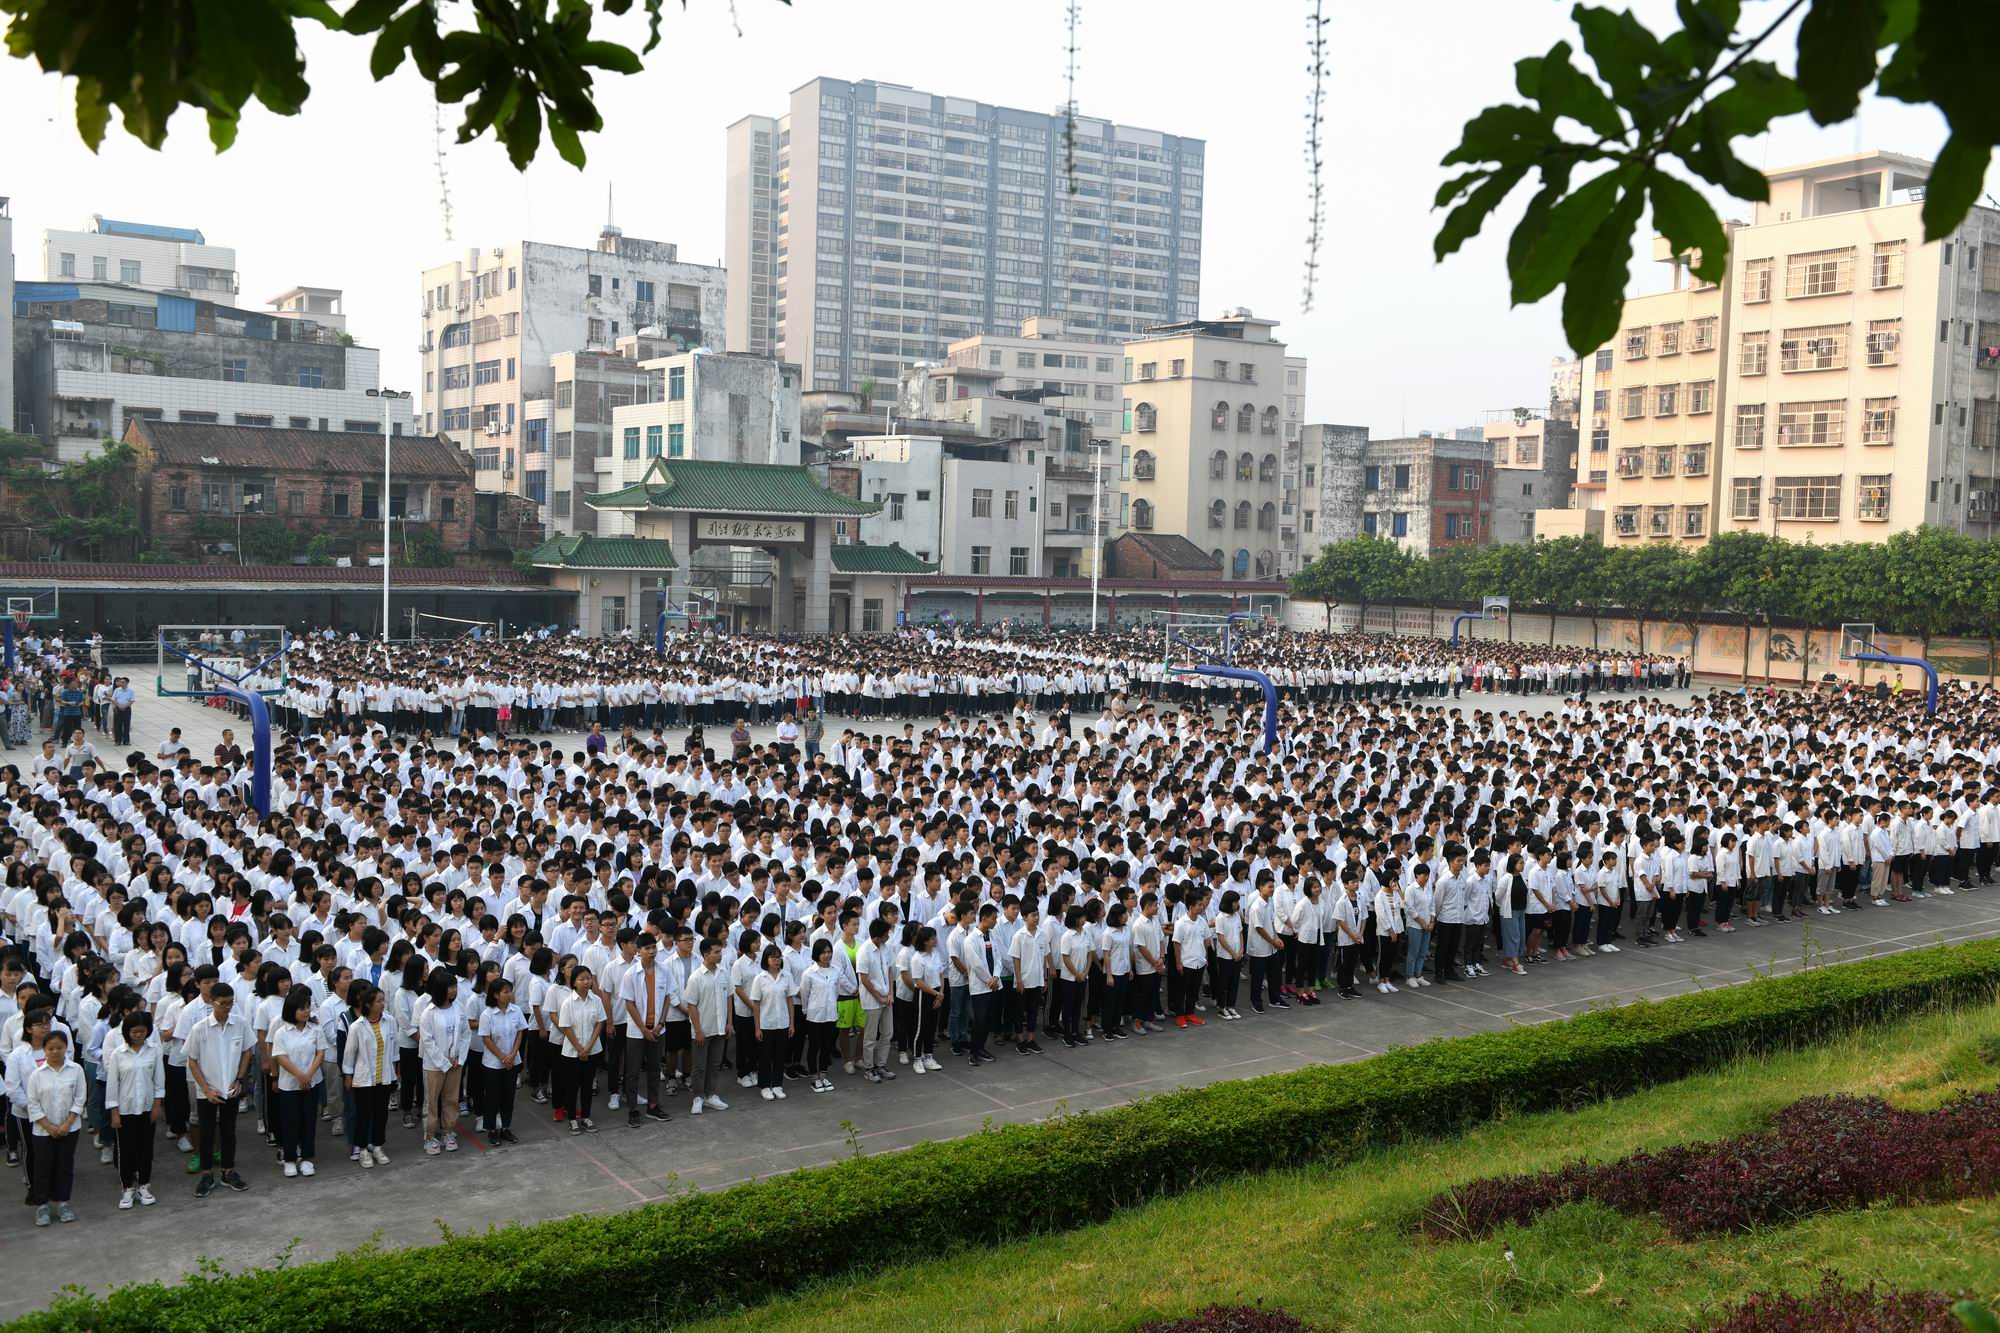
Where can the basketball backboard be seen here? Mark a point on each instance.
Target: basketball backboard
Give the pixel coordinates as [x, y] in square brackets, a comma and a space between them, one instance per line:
[1856, 639]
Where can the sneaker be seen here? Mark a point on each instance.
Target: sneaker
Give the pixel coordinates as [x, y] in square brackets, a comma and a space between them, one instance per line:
[779, 1093]
[65, 1213]
[104, 1154]
[717, 1104]
[145, 1192]
[1755, 920]
[613, 1103]
[432, 1147]
[696, 1110]
[850, 1067]
[1726, 928]
[821, 1085]
[1944, 891]
[409, 1121]
[354, 1155]
[125, 1199]
[766, 1094]
[1381, 988]
[506, 1135]
[750, 1080]
[889, 1075]
[576, 1127]
[631, 1120]
[1180, 1020]
[1280, 1004]
[381, 1158]
[541, 1095]
[1390, 987]
[872, 1076]
[1196, 1022]
[589, 1125]
[260, 1126]
[1609, 948]
[204, 1187]
[42, 1216]
[657, 1113]
[339, 1126]
[558, 1116]
[450, 1144]
[903, 1058]
[367, 1159]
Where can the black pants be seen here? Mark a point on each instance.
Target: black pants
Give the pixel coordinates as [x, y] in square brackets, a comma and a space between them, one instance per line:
[497, 1099]
[135, 1149]
[1227, 971]
[1348, 954]
[819, 1046]
[1444, 951]
[927, 1024]
[298, 1124]
[903, 1023]
[410, 1081]
[1263, 980]
[983, 1007]
[575, 1083]
[1190, 990]
[53, 1168]
[1113, 1012]
[216, 1133]
[771, 1057]
[371, 1114]
[1072, 1008]
[641, 1057]
[1030, 1004]
[178, 1109]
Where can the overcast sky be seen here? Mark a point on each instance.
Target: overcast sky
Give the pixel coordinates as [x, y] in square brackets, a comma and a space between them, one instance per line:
[347, 194]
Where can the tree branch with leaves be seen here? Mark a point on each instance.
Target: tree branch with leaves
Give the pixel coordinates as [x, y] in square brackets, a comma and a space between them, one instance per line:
[1652, 102]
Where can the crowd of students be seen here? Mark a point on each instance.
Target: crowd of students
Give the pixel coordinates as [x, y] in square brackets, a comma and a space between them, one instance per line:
[449, 919]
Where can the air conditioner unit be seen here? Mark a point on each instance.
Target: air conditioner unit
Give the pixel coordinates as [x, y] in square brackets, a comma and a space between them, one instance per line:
[492, 428]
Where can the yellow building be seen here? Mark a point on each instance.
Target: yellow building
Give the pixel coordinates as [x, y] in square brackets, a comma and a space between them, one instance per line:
[1839, 385]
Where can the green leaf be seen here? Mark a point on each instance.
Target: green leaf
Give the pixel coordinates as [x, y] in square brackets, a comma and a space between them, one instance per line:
[1975, 1317]
[1685, 218]
[1565, 90]
[1506, 134]
[222, 130]
[568, 145]
[368, 15]
[1838, 40]
[522, 132]
[1569, 226]
[1463, 222]
[1757, 95]
[1594, 297]
[1555, 184]
[1956, 179]
[1709, 157]
[1458, 185]
[609, 55]
[1620, 46]
[93, 114]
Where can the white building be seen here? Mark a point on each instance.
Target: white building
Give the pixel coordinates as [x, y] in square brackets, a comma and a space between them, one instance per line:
[873, 225]
[141, 254]
[8, 417]
[493, 321]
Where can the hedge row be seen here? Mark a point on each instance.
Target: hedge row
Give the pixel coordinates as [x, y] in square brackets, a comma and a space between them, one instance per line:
[758, 1239]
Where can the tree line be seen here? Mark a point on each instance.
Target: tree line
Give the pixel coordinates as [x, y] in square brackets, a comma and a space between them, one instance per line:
[1925, 582]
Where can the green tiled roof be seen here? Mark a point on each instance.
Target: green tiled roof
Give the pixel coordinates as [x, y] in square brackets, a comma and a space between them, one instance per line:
[586, 551]
[860, 558]
[733, 488]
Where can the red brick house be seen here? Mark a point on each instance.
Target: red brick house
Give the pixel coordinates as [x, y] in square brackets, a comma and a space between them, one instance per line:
[201, 485]
[1148, 555]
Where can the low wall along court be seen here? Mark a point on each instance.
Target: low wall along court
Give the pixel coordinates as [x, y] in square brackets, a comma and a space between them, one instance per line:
[1786, 655]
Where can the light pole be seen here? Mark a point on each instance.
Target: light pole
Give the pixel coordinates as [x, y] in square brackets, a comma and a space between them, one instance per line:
[386, 395]
[1099, 448]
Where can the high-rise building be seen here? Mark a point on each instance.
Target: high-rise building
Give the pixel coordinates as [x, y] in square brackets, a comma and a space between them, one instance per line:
[493, 320]
[873, 225]
[1841, 383]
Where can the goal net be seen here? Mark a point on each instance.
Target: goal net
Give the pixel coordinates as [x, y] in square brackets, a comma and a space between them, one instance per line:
[192, 657]
[425, 625]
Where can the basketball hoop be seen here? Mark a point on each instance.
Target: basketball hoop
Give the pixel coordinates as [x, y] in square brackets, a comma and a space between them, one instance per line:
[20, 622]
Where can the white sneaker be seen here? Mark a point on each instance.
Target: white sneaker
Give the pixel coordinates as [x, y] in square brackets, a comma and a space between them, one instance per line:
[367, 1160]
[381, 1158]
[450, 1145]
[125, 1199]
[717, 1104]
[1381, 988]
[766, 1094]
[779, 1093]
[305, 1169]
[920, 1067]
[1390, 987]
[697, 1107]
[1610, 948]
[145, 1193]
[902, 1057]
[185, 1145]
[936, 1068]
[432, 1147]
[291, 1170]
[850, 1066]
[1944, 891]
[748, 1081]
[613, 1103]
[104, 1155]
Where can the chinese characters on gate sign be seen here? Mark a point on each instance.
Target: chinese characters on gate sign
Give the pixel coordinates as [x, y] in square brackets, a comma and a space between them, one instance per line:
[752, 530]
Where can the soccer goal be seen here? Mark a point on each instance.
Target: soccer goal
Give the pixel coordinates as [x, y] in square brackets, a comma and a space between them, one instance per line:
[426, 625]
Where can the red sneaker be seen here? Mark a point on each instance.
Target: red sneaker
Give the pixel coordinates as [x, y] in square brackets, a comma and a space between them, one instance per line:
[1195, 1020]
[1180, 1020]
[559, 1115]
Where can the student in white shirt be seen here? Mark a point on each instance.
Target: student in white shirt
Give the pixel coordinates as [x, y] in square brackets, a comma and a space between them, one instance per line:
[1190, 957]
[502, 1028]
[220, 1048]
[771, 1002]
[135, 1077]
[369, 1064]
[819, 1008]
[580, 1023]
[298, 1055]
[56, 1094]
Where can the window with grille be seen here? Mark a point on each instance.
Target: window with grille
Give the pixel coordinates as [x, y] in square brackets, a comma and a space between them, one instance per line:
[1701, 397]
[1632, 402]
[1820, 272]
[1753, 352]
[1878, 421]
[1625, 521]
[1745, 498]
[1694, 460]
[1819, 347]
[1636, 341]
[1806, 497]
[1989, 268]
[1756, 281]
[1631, 462]
[1749, 425]
[982, 502]
[1986, 423]
[1871, 500]
[1703, 334]
[1887, 267]
[1813, 423]
[1885, 339]
[1663, 460]
[1666, 399]
[1694, 520]
[1667, 339]
[1659, 520]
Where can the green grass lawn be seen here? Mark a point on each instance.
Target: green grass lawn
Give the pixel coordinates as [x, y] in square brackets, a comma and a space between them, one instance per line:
[1334, 1245]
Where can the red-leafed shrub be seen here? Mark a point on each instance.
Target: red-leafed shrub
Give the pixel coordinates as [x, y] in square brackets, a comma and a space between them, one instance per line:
[1230, 1319]
[1823, 1154]
[1835, 1307]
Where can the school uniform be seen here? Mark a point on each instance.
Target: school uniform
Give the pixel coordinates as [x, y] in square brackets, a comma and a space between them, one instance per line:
[501, 1030]
[134, 1081]
[55, 1097]
[297, 1115]
[369, 1063]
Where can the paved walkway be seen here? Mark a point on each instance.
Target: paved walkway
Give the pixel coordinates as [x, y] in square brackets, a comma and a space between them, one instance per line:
[551, 1173]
